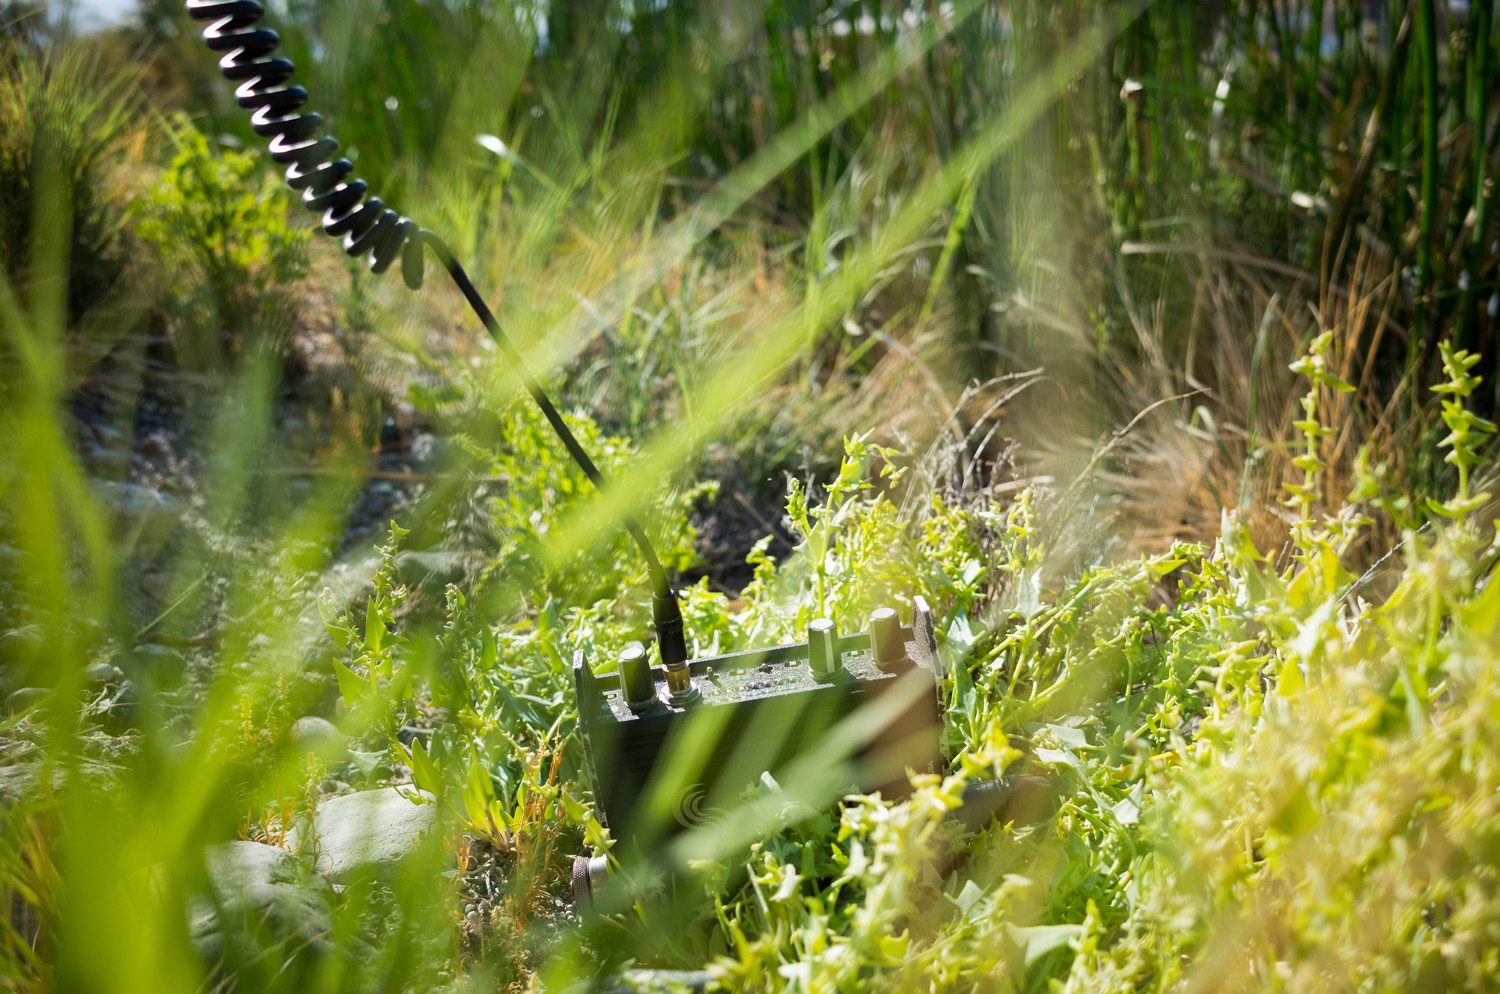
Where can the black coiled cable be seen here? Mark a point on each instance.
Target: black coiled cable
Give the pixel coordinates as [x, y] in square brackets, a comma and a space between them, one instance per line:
[261, 78]
[368, 227]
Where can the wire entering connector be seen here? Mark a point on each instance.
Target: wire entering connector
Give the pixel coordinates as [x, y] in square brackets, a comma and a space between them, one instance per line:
[368, 227]
[671, 641]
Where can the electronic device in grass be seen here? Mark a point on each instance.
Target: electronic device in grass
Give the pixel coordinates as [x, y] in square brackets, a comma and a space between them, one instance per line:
[673, 743]
[675, 748]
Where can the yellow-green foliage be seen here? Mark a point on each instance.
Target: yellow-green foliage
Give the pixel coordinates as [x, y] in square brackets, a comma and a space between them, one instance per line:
[1272, 772]
[1265, 780]
[61, 130]
[1467, 431]
[218, 218]
[1270, 784]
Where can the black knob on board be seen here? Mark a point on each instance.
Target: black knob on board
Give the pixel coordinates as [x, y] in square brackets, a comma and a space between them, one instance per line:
[637, 685]
[823, 656]
[887, 646]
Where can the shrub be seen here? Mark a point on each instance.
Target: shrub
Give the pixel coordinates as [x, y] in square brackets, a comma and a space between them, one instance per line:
[1259, 771]
[60, 122]
[218, 219]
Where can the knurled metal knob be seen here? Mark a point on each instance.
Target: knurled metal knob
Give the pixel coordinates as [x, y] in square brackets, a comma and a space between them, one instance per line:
[590, 877]
[637, 685]
[823, 656]
[887, 647]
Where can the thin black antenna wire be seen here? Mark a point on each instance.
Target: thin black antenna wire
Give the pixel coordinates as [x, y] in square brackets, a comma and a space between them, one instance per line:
[368, 228]
[570, 441]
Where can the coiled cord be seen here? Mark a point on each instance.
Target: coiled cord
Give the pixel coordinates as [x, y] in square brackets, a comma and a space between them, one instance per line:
[261, 77]
[367, 227]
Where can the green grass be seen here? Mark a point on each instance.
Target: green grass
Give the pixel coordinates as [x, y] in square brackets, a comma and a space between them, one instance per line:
[1150, 344]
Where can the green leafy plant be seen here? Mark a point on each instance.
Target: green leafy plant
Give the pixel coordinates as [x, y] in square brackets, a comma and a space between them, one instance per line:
[1270, 762]
[1467, 431]
[219, 219]
[1314, 367]
[66, 130]
[371, 676]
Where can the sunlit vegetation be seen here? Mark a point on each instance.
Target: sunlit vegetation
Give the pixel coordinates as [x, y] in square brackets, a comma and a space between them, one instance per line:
[1153, 344]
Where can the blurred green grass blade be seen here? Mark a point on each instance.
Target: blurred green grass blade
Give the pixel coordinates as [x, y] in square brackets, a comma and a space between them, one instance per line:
[781, 339]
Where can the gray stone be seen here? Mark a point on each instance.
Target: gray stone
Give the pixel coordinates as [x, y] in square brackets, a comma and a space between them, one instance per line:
[368, 832]
[18, 781]
[132, 498]
[158, 444]
[434, 568]
[26, 697]
[108, 435]
[102, 673]
[659, 982]
[260, 898]
[163, 662]
[20, 643]
[320, 737]
[106, 460]
[424, 450]
[22, 780]
[149, 513]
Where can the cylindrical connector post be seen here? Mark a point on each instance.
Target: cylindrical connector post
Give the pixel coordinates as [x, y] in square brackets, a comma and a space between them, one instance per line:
[636, 683]
[823, 656]
[887, 647]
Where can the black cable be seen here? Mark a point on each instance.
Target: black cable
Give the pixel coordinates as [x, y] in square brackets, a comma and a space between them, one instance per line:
[368, 227]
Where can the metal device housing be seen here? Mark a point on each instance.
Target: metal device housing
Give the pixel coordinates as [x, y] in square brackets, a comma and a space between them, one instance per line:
[757, 712]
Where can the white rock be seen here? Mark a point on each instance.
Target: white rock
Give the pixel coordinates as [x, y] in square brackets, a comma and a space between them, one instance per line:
[368, 832]
[320, 737]
[261, 897]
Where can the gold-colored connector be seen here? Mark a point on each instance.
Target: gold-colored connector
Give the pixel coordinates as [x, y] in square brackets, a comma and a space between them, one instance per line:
[680, 689]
